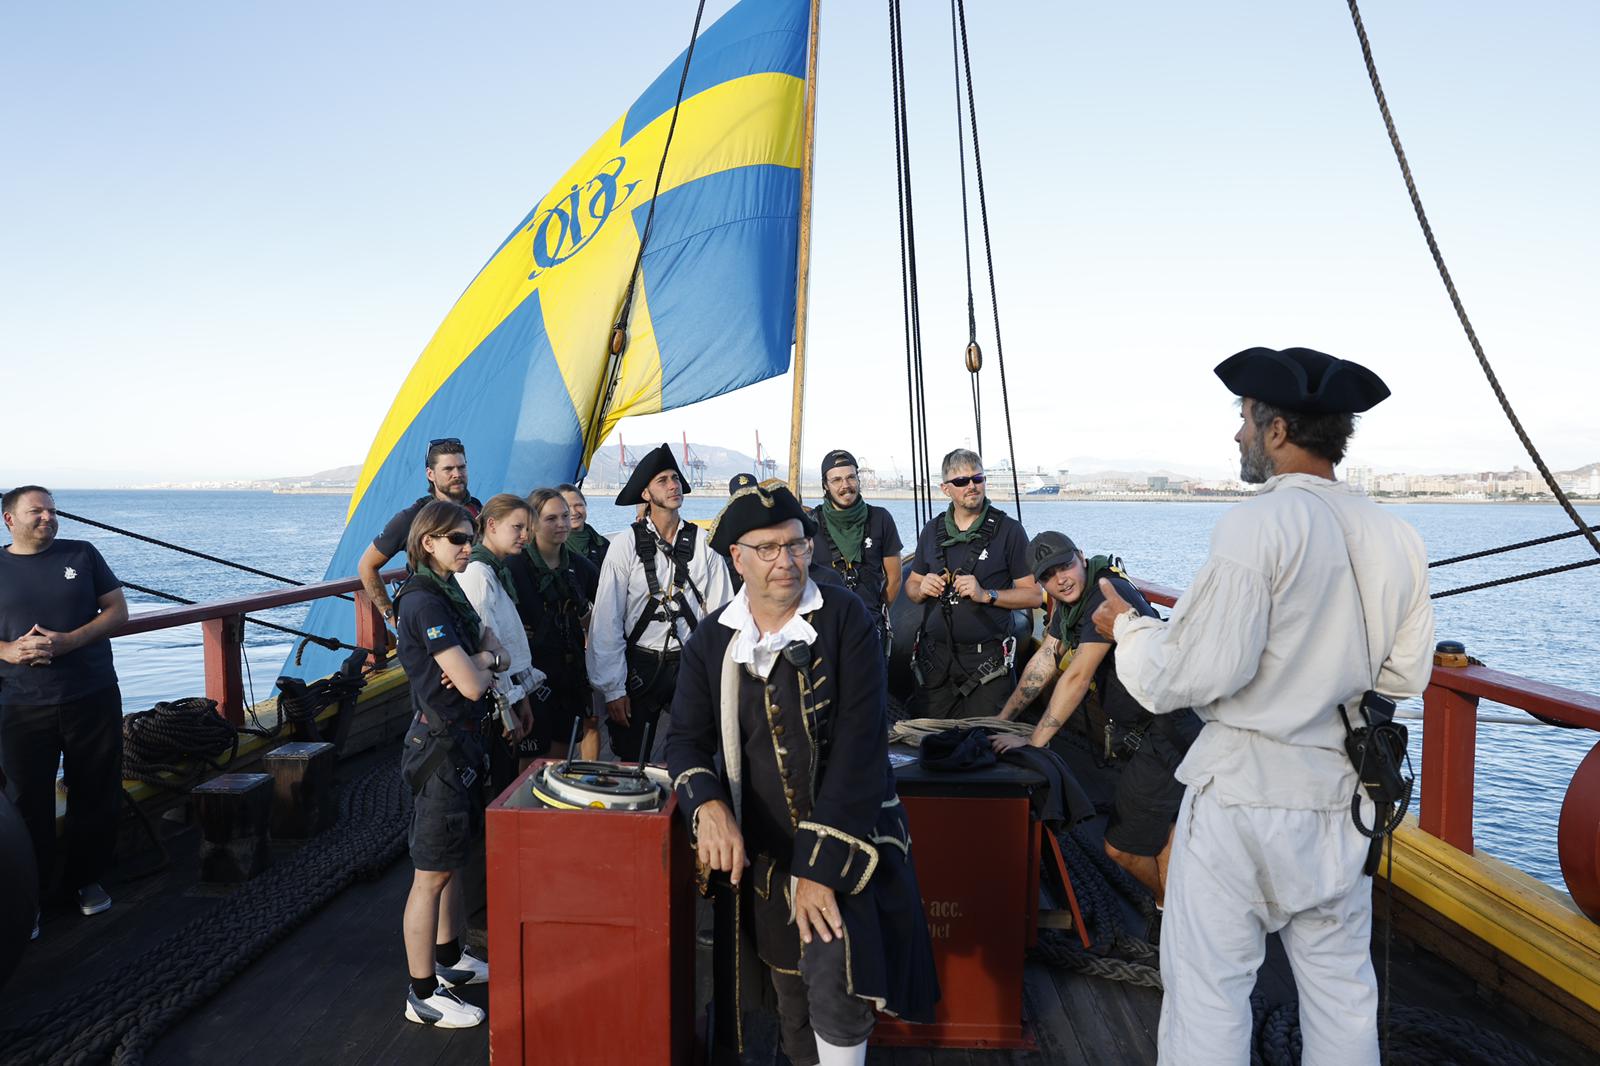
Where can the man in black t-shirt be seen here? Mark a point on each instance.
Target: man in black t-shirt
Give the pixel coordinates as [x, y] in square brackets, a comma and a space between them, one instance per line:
[59, 603]
[857, 540]
[446, 469]
[970, 573]
[1082, 665]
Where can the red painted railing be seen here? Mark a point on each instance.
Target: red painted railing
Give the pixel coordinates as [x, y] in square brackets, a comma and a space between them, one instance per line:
[222, 630]
[1450, 762]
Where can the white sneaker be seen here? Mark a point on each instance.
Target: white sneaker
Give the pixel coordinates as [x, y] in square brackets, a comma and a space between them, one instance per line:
[466, 970]
[442, 1009]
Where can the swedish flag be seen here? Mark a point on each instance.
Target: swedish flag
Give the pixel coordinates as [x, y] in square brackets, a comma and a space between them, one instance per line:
[518, 365]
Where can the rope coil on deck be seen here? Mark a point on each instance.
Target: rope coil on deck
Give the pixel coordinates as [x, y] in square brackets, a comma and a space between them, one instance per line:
[121, 1015]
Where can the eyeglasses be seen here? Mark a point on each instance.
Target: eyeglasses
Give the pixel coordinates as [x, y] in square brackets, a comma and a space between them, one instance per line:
[797, 549]
[963, 482]
[443, 440]
[456, 537]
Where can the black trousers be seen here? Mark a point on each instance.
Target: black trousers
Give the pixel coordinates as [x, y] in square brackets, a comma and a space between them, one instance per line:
[85, 736]
[946, 669]
[651, 679]
[817, 1002]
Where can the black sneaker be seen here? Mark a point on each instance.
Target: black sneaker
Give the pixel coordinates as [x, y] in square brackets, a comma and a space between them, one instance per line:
[442, 1009]
[92, 899]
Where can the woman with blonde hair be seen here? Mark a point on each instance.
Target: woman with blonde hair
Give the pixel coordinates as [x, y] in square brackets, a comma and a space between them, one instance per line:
[503, 530]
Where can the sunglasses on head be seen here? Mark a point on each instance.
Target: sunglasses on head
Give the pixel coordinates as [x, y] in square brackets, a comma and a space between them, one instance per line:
[457, 537]
[963, 482]
[443, 440]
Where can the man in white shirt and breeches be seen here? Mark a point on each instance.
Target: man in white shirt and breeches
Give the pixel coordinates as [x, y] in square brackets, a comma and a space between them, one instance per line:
[1311, 596]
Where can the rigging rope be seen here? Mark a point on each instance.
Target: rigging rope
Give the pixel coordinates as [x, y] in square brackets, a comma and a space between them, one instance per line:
[619, 332]
[327, 642]
[974, 356]
[1511, 547]
[1529, 576]
[921, 466]
[1450, 287]
[988, 252]
[186, 551]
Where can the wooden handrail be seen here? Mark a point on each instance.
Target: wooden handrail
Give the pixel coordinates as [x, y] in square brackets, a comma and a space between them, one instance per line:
[222, 632]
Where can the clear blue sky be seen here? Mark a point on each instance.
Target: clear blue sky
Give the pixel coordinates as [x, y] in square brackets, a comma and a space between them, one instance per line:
[230, 229]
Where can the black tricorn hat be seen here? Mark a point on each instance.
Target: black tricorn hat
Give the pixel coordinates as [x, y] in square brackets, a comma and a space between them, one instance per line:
[757, 508]
[741, 481]
[655, 461]
[1303, 380]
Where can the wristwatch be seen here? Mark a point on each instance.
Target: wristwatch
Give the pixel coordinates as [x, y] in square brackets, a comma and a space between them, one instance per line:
[993, 596]
[390, 613]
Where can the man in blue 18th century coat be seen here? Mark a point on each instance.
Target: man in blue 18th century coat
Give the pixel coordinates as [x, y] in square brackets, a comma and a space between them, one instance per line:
[787, 684]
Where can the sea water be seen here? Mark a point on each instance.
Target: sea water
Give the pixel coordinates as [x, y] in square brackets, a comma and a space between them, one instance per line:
[1544, 629]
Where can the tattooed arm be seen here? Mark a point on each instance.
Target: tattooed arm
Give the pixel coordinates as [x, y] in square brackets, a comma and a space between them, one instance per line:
[1036, 677]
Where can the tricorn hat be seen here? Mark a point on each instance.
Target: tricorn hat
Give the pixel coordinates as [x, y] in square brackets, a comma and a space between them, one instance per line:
[1303, 380]
[1049, 549]
[655, 461]
[757, 508]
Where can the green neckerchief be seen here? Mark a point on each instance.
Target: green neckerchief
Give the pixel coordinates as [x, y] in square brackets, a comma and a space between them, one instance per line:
[1068, 615]
[481, 554]
[952, 535]
[584, 538]
[450, 589]
[847, 528]
[547, 577]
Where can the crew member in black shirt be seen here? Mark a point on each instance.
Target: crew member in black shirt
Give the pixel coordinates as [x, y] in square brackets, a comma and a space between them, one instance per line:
[857, 540]
[59, 603]
[586, 540]
[443, 760]
[1082, 665]
[446, 469]
[970, 573]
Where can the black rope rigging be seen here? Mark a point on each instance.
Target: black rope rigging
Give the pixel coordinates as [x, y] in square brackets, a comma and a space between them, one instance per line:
[327, 642]
[988, 250]
[1529, 576]
[974, 353]
[1455, 298]
[1512, 547]
[916, 391]
[186, 551]
[619, 331]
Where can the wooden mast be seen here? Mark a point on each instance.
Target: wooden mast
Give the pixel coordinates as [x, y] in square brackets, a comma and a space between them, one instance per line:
[803, 264]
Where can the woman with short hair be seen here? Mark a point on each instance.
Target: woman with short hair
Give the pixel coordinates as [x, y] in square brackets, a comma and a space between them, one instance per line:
[556, 588]
[450, 674]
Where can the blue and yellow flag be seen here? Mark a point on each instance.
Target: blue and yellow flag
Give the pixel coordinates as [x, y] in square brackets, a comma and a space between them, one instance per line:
[519, 364]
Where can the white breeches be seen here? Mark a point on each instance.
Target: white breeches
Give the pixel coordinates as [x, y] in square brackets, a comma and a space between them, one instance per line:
[1237, 874]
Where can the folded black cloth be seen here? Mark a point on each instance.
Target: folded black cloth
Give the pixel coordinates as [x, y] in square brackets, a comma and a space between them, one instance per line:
[956, 749]
[1064, 802]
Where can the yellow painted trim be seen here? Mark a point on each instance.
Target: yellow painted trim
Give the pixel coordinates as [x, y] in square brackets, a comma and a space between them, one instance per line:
[1523, 918]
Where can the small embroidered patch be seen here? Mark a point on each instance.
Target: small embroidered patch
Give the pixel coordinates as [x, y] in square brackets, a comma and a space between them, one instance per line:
[69, 573]
[435, 632]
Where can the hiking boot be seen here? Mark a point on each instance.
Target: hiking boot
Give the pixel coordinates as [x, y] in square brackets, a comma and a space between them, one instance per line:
[92, 899]
[442, 1009]
[466, 970]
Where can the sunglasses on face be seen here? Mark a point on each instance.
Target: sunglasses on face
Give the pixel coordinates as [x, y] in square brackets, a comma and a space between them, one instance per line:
[963, 482]
[457, 538]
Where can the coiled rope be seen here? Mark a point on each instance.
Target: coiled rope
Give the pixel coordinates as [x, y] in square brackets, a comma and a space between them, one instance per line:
[121, 1015]
[1455, 297]
[181, 739]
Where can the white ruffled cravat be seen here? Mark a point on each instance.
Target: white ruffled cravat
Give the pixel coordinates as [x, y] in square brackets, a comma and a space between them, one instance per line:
[757, 650]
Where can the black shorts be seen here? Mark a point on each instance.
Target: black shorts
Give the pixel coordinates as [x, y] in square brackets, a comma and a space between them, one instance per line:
[444, 820]
[553, 718]
[1148, 795]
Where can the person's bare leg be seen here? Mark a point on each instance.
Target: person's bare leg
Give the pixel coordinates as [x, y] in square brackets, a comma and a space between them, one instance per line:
[589, 740]
[1146, 869]
[425, 916]
[452, 912]
[1163, 859]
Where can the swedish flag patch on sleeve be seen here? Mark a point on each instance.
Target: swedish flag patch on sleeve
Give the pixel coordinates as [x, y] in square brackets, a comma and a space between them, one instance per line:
[435, 632]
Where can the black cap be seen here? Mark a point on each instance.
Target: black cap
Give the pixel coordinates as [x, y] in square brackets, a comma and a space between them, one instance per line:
[757, 508]
[1049, 549]
[837, 457]
[741, 481]
[654, 462]
[1302, 380]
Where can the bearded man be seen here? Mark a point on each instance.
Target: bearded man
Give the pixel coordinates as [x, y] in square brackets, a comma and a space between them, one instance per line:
[857, 540]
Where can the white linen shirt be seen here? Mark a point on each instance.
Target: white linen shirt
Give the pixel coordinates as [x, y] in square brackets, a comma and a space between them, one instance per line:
[757, 650]
[624, 594]
[1269, 639]
[499, 616]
